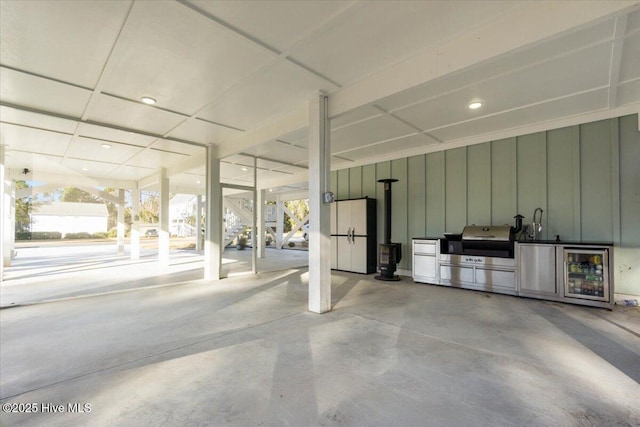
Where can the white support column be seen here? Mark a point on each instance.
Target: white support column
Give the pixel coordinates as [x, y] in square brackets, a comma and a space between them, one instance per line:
[3, 213]
[279, 222]
[10, 223]
[261, 222]
[199, 239]
[213, 240]
[163, 237]
[319, 212]
[254, 226]
[121, 226]
[135, 222]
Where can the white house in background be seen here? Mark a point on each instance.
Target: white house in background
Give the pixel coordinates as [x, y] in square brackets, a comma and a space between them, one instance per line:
[181, 207]
[68, 217]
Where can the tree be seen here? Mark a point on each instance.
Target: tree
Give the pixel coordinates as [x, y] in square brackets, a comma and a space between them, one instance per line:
[299, 208]
[150, 208]
[72, 194]
[23, 209]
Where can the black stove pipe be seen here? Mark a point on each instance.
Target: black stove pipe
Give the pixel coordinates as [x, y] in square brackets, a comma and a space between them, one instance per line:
[387, 208]
[518, 227]
[389, 253]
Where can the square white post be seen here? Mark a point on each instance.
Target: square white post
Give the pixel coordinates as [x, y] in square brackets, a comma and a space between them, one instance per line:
[121, 227]
[319, 211]
[254, 219]
[279, 222]
[163, 238]
[199, 241]
[213, 229]
[9, 222]
[3, 212]
[135, 222]
[261, 223]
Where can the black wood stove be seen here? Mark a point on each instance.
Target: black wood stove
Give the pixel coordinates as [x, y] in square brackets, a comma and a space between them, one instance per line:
[389, 253]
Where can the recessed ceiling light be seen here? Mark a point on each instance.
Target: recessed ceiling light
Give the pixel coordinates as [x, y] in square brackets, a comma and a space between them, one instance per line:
[85, 169]
[271, 190]
[474, 105]
[148, 100]
[198, 182]
[244, 169]
[105, 145]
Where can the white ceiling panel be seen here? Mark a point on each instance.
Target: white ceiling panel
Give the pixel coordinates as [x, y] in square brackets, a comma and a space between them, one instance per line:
[179, 147]
[39, 163]
[178, 57]
[502, 66]
[630, 65]
[86, 167]
[281, 151]
[36, 120]
[49, 96]
[88, 149]
[34, 140]
[277, 24]
[132, 115]
[565, 107]
[132, 173]
[629, 92]
[378, 34]
[392, 147]
[633, 22]
[152, 158]
[203, 132]
[67, 40]
[265, 96]
[115, 135]
[355, 115]
[562, 76]
[232, 171]
[364, 133]
[298, 137]
[267, 164]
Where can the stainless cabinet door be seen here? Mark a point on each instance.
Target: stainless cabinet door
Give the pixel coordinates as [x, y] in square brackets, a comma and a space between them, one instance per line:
[538, 270]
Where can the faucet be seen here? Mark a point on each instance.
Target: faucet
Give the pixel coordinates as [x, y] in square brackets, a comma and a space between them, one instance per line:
[536, 227]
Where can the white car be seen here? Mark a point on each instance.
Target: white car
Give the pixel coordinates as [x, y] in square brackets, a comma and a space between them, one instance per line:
[305, 232]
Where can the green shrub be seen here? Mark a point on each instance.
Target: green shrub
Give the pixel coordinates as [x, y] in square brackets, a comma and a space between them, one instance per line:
[79, 235]
[112, 233]
[99, 235]
[23, 235]
[292, 244]
[242, 242]
[45, 235]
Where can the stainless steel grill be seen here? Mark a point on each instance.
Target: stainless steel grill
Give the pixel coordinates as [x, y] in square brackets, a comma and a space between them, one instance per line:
[488, 240]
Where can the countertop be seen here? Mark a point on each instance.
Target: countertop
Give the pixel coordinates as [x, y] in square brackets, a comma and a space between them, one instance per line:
[564, 243]
[543, 242]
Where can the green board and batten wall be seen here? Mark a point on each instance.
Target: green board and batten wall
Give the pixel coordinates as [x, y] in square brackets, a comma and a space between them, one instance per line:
[586, 178]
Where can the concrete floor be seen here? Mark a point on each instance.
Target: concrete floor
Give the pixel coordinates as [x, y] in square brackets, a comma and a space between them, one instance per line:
[245, 352]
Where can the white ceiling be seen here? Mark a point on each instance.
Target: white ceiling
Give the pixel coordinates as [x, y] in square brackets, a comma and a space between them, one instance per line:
[239, 74]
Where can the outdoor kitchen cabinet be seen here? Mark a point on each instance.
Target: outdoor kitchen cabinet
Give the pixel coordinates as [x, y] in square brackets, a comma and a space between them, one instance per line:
[481, 273]
[353, 235]
[425, 260]
[538, 271]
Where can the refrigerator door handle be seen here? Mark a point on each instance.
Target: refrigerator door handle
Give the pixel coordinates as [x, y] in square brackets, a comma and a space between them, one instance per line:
[349, 235]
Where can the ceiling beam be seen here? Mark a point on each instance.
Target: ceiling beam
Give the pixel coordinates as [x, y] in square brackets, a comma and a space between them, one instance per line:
[616, 59]
[64, 180]
[526, 25]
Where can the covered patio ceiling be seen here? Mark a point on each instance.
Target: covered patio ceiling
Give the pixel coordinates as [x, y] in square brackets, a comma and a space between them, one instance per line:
[399, 77]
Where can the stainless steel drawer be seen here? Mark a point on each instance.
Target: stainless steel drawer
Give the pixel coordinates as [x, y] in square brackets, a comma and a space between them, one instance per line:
[456, 274]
